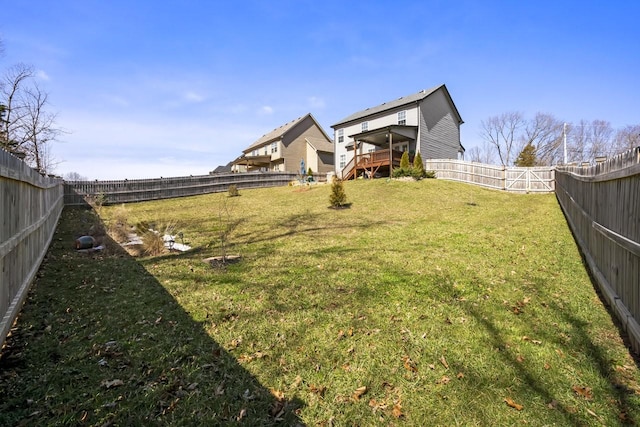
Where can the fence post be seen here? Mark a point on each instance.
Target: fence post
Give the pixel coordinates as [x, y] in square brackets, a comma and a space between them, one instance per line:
[504, 177]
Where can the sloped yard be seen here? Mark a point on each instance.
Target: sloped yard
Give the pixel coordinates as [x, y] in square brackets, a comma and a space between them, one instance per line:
[424, 303]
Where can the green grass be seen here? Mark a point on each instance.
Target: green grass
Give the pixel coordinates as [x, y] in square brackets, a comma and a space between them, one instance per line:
[442, 299]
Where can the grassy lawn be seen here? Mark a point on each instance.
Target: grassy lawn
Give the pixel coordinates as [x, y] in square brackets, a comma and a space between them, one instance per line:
[424, 303]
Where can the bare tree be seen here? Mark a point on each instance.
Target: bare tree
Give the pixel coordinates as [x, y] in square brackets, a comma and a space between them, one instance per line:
[38, 129]
[502, 134]
[26, 127]
[544, 133]
[627, 138]
[481, 154]
[74, 176]
[11, 91]
[601, 138]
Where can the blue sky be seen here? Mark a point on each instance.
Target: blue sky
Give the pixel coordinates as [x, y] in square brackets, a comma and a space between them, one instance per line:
[171, 88]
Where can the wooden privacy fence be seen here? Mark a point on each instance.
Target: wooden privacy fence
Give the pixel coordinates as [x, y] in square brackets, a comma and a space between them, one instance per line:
[138, 190]
[516, 179]
[602, 205]
[30, 206]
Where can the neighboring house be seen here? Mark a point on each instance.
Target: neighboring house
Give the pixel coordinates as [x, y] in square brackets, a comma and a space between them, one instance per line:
[285, 148]
[427, 122]
[222, 169]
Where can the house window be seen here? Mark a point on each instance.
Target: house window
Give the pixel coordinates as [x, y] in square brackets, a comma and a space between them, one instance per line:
[265, 150]
[365, 126]
[340, 135]
[255, 153]
[402, 117]
[274, 147]
[371, 150]
[343, 160]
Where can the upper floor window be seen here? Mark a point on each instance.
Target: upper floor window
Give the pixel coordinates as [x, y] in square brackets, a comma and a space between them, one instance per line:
[265, 150]
[340, 135]
[365, 126]
[254, 153]
[274, 147]
[343, 160]
[402, 117]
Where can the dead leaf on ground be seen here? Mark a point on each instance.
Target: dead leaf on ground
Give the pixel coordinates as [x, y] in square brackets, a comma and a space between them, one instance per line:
[296, 382]
[585, 392]
[112, 383]
[317, 389]
[519, 358]
[460, 375]
[526, 338]
[444, 380]
[513, 404]
[553, 404]
[444, 362]
[397, 410]
[359, 392]
[376, 405]
[277, 393]
[219, 391]
[409, 364]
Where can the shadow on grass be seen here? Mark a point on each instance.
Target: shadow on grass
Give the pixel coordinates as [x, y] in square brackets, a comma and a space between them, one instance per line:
[101, 342]
[577, 341]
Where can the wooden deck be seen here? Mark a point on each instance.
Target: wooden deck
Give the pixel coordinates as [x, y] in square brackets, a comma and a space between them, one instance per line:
[376, 162]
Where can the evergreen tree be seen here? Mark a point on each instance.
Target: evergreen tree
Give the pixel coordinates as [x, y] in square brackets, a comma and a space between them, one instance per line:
[404, 161]
[338, 197]
[418, 166]
[527, 156]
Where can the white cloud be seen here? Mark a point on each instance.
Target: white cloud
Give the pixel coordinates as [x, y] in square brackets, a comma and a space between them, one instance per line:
[266, 109]
[42, 75]
[315, 102]
[116, 147]
[193, 97]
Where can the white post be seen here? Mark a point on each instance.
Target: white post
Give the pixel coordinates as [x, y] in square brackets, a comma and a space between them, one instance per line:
[564, 138]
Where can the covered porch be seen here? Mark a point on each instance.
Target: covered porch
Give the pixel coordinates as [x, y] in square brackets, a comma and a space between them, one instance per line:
[251, 163]
[390, 142]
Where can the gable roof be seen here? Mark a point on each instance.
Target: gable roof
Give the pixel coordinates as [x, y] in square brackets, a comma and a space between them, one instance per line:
[279, 132]
[320, 144]
[416, 97]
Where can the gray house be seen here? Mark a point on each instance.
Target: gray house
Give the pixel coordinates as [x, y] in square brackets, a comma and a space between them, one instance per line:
[374, 139]
[283, 149]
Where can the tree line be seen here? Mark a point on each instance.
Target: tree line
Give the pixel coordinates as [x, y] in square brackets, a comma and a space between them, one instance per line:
[512, 139]
[27, 127]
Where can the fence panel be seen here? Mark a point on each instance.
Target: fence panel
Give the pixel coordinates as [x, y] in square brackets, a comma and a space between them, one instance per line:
[516, 179]
[602, 206]
[138, 190]
[30, 206]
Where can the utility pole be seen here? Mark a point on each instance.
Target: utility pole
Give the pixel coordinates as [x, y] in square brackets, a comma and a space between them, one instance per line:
[564, 140]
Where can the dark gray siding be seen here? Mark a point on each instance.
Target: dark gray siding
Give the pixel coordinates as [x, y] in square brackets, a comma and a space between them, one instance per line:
[439, 128]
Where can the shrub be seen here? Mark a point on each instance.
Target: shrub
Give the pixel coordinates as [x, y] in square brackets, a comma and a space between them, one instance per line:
[152, 239]
[152, 243]
[429, 174]
[233, 190]
[404, 161]
[338, 197]
[418, 167]
[401, 172]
